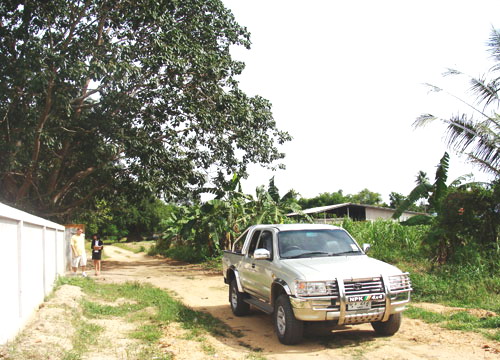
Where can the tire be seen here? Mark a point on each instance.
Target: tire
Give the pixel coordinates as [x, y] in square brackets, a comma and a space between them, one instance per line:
[238, 305]
[288, 329]
[389, 327]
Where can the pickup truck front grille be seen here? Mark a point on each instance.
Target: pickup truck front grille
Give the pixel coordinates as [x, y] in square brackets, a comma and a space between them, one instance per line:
[364, 286]
[361, 287]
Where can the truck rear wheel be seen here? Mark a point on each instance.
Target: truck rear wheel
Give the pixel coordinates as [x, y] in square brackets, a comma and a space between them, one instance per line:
[238, 305]
[288, 328]
[389, 327]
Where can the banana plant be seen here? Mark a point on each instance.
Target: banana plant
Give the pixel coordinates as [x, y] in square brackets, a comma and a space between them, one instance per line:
[434, 193]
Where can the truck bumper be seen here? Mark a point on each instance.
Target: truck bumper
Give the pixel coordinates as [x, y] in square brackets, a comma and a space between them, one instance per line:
[322, 309]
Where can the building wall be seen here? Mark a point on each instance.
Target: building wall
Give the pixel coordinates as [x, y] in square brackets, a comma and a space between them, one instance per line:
[374, 214]
[34, 255]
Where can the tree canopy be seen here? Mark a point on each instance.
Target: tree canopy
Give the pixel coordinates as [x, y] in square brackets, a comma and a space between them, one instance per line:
[136, 97]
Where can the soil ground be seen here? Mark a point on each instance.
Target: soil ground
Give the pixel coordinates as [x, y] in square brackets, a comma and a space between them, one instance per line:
[205, 291]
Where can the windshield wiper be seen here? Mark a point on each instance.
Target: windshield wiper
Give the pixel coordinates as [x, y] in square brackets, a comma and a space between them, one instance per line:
[307, 254]
[346, 252]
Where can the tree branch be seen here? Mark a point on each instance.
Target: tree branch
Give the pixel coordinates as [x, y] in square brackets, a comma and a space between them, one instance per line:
[37, 142]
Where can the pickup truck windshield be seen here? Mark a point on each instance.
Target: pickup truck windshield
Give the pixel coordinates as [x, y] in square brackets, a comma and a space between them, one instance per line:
[304, 243]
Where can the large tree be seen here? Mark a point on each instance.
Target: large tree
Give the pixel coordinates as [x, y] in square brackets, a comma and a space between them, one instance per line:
[99, 97]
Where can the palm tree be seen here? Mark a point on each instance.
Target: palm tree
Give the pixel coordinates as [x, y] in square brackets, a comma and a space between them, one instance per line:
[477, 135]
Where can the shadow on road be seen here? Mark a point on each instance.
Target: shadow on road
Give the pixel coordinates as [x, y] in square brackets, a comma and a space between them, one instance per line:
[256, 333]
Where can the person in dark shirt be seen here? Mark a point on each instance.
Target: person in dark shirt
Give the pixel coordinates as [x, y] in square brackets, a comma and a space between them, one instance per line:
[96, 247]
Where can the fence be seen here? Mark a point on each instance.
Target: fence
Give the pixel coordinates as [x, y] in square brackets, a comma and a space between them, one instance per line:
[34, 254]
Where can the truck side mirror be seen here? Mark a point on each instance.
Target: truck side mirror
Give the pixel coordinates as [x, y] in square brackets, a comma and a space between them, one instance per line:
[261, 254]
[366, 248]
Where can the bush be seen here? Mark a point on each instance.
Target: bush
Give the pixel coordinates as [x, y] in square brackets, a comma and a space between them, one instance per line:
[390, 241]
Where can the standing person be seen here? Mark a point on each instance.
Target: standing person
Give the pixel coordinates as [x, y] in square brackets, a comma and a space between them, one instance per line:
[96, 247]
[78, 252]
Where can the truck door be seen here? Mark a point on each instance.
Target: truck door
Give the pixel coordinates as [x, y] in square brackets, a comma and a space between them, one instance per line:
[246, 269]
[259, 273]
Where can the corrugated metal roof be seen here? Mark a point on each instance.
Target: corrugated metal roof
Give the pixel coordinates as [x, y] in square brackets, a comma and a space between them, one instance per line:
[321, 209]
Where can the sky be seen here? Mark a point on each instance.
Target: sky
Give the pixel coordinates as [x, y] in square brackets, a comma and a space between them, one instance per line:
[346, 80]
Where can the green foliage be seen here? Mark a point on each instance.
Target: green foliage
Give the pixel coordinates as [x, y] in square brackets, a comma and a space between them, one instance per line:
[201, 231]
[323, 199]
[466, 229]
[120, 218]
[365, 196]
[101, 99]
[458, 285]
[472, 281]
[391, 241]
[418, 220]
[434, 193]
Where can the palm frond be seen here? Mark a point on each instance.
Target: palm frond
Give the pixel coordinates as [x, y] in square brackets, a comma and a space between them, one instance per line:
[494, 44]
[433, 88]
[461, 180]
[450, 71]
[485, 92]
[424, 120]
[493, 168]
[479, 140]
[461, 132]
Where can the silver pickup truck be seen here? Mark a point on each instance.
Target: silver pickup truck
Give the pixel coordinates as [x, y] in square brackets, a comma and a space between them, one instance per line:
[306, 272]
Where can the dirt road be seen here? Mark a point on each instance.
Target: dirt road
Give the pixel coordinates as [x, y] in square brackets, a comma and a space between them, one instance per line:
[206, 291]
[202, 290]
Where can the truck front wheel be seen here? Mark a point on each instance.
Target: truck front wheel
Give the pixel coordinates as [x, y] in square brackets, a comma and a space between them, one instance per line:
[288, 328]
[389, 327]
[238, 305]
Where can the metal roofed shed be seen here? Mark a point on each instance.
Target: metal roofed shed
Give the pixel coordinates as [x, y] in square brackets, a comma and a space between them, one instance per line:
[358, 212]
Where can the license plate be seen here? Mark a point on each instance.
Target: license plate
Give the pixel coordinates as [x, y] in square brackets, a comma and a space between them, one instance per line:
[363, 305]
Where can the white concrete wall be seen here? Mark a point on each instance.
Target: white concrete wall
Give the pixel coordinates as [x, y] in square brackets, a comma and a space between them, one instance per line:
[33, 256]
[374, 214]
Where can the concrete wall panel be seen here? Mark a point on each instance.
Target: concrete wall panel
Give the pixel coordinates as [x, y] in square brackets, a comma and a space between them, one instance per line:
[34, 254]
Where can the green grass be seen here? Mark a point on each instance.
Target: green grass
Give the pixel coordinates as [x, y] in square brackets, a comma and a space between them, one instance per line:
[138, 297]
[471, 284]
[135, 247]
[459, 320]
[148, 333]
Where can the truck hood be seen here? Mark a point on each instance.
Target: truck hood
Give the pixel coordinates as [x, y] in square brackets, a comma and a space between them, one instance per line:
[345, 267]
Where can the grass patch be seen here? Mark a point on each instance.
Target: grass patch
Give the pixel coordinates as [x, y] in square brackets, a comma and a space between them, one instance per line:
[148, 333]
[142, 296]
[474, 283]
[429, 317]
[135, 247]
[459, 320]
[455, 286]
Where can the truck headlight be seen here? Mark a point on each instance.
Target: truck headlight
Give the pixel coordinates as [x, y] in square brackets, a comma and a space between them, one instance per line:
[400, 283]
[310, 288]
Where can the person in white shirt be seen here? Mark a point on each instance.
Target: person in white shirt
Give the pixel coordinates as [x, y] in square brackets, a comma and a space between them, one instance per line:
[79, 258]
